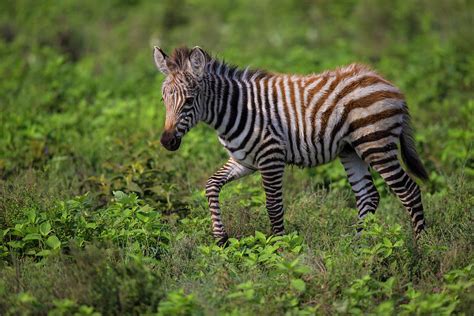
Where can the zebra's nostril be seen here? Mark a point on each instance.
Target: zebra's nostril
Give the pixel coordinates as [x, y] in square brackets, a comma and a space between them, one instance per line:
[170, 141]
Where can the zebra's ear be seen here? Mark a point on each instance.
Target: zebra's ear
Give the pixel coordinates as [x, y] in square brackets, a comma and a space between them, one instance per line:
[160, 60]
[197, 61]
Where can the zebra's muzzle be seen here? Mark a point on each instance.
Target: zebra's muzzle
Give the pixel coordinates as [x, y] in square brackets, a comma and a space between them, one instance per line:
[170, 141]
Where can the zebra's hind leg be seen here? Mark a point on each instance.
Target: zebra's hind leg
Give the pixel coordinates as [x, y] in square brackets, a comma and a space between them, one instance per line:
[382, 156]
[367, 197]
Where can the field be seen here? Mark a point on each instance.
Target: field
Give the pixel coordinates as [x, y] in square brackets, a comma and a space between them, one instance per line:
[97, 218]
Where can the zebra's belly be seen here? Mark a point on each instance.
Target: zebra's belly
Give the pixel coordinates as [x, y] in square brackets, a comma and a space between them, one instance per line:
[242, 155]
[301, 153]
[305, 153]
[246, 159]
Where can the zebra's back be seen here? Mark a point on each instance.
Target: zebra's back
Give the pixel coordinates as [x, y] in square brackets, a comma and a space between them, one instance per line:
[317, 115]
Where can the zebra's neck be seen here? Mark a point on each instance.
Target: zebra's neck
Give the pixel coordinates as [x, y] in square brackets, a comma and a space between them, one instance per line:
[226, 94]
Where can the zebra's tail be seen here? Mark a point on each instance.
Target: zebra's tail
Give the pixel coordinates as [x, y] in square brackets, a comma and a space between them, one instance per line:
[408, 150]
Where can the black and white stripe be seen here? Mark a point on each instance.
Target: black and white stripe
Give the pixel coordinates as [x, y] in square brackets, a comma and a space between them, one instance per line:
[267, 120]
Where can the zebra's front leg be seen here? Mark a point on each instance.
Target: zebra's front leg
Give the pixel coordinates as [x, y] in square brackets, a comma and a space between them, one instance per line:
[272, 177]
[232, 170]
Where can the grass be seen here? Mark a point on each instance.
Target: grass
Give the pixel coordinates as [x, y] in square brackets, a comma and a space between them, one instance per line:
[97, 218]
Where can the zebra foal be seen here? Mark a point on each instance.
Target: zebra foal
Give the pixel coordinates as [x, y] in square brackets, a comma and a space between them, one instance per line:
[267, 120]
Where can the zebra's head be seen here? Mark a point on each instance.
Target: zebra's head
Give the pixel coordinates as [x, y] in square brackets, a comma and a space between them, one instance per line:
[184, 70]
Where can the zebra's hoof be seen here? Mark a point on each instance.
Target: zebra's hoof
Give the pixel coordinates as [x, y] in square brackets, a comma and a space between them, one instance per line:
[223, 241]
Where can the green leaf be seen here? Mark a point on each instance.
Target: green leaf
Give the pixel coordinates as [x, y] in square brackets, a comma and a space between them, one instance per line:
[234, 241]
[399, 243]
[91, 225]
[249, 294]
[297, 249]
[147, 209]
[143, 216]
[235, 295]
[43, 253]
[45, 228]
[25, 298]
[32, 236]
[294, 263]
[5, 232]
[16, 244]
[298, 284]
[302, 269]
[260, 237]
[31, 214]
[53, 242]
[132, 186]
[119, 195]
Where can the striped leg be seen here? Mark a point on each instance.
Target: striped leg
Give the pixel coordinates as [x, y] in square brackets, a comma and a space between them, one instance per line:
[383, 158]
[232, 170]
[272, 177]
[367, 197]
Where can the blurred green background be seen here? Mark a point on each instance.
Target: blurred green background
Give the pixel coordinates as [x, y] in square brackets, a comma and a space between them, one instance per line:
[81, 116]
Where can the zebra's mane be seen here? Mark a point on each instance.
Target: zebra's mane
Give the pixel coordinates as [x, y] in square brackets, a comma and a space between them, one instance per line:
[178, 60]
[222, 68]
[180, 57]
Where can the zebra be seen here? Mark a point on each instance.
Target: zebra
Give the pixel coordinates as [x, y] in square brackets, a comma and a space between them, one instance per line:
[267, 120]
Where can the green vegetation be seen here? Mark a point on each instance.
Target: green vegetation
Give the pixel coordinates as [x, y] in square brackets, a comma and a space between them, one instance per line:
[97, 218]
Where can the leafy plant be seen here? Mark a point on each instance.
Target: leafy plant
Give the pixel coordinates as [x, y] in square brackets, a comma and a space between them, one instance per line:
[178, 303]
